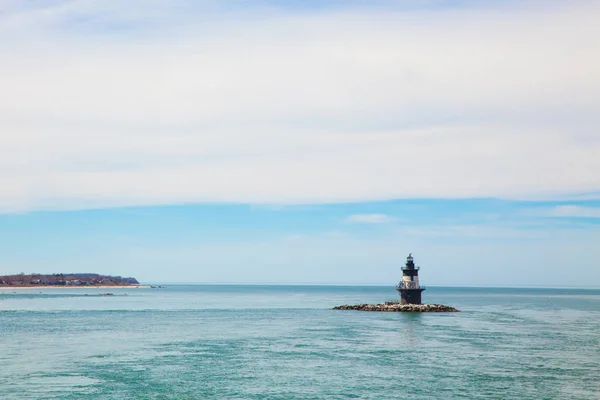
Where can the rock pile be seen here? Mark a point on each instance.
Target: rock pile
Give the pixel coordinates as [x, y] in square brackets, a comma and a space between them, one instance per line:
[397, 307]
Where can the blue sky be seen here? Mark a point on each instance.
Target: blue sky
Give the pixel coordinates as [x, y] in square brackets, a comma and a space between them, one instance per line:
[301, 141]
[457, 242]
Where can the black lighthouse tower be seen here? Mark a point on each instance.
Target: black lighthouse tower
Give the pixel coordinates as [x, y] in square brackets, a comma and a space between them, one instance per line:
[409, 288]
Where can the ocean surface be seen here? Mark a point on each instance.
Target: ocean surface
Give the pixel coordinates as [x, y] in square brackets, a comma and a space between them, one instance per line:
[285, 342]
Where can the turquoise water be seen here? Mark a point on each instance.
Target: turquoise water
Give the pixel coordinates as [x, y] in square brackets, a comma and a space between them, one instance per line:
[284, 342]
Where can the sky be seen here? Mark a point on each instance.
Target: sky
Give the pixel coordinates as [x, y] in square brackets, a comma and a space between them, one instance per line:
[311, 142]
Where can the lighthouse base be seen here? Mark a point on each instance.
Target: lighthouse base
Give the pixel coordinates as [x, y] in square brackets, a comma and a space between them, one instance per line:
[410, 296]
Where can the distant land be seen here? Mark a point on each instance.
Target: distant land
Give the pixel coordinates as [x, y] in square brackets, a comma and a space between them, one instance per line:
[79, 279]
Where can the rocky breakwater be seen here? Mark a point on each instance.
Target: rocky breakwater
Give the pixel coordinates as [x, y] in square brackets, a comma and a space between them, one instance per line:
[397, 307]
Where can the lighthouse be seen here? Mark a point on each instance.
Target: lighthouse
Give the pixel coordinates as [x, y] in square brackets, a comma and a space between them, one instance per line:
[409, 288]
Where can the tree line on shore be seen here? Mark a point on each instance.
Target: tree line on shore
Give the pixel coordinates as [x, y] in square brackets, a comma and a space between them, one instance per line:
[71, 279]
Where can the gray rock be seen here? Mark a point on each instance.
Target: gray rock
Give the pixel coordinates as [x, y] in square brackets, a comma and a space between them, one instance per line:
[397, 307]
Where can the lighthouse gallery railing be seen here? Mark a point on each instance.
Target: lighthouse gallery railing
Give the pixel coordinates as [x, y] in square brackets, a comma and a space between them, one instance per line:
[409, 285]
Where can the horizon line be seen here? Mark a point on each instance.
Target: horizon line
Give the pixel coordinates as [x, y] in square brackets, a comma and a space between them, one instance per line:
[363, 285]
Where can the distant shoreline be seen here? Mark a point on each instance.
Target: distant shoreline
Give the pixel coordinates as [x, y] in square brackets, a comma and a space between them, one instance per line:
[74, 287]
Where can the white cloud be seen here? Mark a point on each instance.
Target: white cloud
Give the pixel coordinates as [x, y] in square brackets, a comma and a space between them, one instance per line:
[282, 108]
[370, 218]
[575, 211]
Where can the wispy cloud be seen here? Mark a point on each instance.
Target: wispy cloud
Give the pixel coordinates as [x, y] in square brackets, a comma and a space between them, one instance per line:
[574, 211]
[370, 219]
[284, 107]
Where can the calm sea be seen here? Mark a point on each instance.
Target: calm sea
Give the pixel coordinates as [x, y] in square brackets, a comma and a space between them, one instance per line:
[284, 342]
